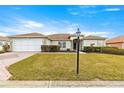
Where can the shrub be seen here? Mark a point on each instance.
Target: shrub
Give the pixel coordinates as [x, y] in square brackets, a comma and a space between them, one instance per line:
[110, 50]
[45, 48]
[107, 50]
[54, 48]
[68, 50]
[121, 51]
[113, 51]
[6, 48]
[92, 49]
[2, 51]
[50, 48]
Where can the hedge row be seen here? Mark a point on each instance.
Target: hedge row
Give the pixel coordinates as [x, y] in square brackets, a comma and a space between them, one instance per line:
[113, 51]
[108, 50]
[50, 48]
[92, 49]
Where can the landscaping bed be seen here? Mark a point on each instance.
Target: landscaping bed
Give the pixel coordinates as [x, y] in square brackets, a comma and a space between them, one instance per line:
[63, 67]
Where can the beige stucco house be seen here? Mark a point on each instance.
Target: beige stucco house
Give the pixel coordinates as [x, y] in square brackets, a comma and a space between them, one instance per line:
[34, 41]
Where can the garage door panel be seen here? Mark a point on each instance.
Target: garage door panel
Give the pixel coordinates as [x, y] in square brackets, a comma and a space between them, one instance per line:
[27, 44]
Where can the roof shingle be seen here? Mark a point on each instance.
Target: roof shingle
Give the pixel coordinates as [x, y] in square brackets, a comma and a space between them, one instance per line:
[59, 36]
[29, 35]
[2, 38]
[90, 37]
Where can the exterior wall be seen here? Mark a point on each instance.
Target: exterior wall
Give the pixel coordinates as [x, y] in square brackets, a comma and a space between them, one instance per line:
[68, 44]
[46, 41]
[96, 42]
[118, 45]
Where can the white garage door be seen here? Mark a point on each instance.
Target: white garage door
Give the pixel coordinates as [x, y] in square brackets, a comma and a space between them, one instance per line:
[27, 44]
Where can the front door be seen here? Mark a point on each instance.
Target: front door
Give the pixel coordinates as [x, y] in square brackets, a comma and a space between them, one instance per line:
[75, 44]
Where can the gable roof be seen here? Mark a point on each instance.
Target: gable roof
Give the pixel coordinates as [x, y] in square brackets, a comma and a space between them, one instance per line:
[2, 38]
[90, 37]
[29, 35]
[59, 36]
[118, 39]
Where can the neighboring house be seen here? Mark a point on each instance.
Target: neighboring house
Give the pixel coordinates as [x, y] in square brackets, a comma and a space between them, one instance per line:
[3, 41]
[34, 41]
[116, 42]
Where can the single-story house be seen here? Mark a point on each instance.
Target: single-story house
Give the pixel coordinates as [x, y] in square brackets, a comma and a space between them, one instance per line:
[34, 41]
[116, 42]
[3, 41]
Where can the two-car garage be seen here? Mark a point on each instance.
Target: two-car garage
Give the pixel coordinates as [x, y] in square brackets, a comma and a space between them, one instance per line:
[27, 44]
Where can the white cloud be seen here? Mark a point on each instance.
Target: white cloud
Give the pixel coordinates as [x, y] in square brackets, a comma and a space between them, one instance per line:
[104, 34]
[87, 6]
[74, 11]
[31, 24]
[112, 9]
[20, 26]
[85, 10]
[62, 26]
[89, 10]
[3, 34]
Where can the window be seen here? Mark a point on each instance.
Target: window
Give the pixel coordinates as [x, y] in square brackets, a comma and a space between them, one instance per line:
[59, 44]
[62, 44]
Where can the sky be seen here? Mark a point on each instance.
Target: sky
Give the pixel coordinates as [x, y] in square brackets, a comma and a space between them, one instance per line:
[107, 21]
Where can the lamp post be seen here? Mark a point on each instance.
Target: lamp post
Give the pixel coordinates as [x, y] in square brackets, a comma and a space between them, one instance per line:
[78, 47]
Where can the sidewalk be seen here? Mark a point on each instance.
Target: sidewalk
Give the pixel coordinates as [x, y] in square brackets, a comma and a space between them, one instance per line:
[59, 84]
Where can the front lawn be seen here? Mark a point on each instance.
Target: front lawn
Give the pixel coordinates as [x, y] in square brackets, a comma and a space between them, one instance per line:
[63, 67]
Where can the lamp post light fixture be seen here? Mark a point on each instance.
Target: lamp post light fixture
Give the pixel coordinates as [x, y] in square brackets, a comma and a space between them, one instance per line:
[78, 47]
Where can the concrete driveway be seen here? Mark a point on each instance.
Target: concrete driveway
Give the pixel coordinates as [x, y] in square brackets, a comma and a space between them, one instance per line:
[6, 59]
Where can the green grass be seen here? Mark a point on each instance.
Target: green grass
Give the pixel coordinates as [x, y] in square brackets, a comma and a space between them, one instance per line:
[63, 67]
